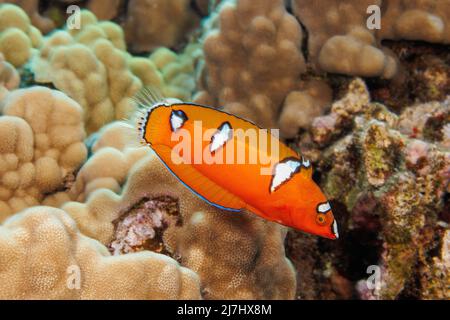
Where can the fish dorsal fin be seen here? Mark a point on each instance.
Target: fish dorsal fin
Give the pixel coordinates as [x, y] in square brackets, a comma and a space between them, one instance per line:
[306, 167]
[200, 185]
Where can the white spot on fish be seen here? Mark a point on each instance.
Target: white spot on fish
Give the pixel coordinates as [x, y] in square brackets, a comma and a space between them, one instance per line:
[283, 172]
[305, 163]
[177, 119]
[335, 229]
[323, 207]
[224, 133]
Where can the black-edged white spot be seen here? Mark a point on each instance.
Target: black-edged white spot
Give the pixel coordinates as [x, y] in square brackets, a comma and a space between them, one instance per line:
[335, 229]
[284, 171]
[223, 134]
[306, 163]
[323, 207]
[177, 119]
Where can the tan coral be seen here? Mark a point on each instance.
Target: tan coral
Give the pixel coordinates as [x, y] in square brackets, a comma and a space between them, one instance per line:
[158, 23]
[253, 60]
[90, 66]
[9, 77]
[44, 256]
[258, 270]
[92, 30]
[173, 74]
[301, 107]
[426, 20]
[31, 7]
[340, 42]
[18, 37]
[42, 143]
[105, 10]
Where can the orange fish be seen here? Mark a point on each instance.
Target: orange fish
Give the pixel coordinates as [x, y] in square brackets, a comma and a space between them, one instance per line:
[233, 164]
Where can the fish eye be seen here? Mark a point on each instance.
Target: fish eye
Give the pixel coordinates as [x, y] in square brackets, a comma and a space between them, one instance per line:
[321, 219]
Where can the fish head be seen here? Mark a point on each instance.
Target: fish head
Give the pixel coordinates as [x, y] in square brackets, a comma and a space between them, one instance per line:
[312, 212]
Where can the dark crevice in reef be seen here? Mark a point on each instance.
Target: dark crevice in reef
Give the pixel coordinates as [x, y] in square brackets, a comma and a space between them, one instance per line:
[445, 214]
[414, 286]
[142, 226]
[122, 12]
[304, 45]
[330, 269]
[424, 75]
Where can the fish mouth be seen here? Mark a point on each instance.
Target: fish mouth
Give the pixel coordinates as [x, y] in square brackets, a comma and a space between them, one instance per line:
[334, 229]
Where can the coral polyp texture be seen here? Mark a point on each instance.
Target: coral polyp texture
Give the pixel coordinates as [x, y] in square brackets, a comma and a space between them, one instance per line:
[253, 59]
[154, 23]
[360, 88]
[18, 38]
[9, 77]
[78, 267]
[41, 146]
[95, 73]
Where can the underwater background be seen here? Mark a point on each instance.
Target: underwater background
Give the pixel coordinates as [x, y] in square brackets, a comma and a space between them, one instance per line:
[369, 106]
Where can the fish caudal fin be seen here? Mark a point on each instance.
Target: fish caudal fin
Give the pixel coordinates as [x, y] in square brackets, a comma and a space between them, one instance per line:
[199, 184]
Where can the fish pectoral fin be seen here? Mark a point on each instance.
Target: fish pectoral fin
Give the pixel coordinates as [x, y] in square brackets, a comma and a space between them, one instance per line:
[199, 184]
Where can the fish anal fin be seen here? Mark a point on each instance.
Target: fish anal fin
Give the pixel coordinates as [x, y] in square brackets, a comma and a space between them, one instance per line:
[199, 184]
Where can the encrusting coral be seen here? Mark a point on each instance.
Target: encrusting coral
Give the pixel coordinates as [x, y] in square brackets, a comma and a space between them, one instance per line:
[18, 38]
[134, 203]
[41, 146]
[387, 183]
[44, 256]
[91, 67]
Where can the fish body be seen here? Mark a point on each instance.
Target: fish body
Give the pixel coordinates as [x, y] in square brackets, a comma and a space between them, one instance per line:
[233, 164]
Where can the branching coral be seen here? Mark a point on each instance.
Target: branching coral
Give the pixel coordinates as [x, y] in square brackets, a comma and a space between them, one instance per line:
[253, 61]
[90, 66]
[155, 23]
[18, 37]
[44, 256]
[154, 211]
[42, 144]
